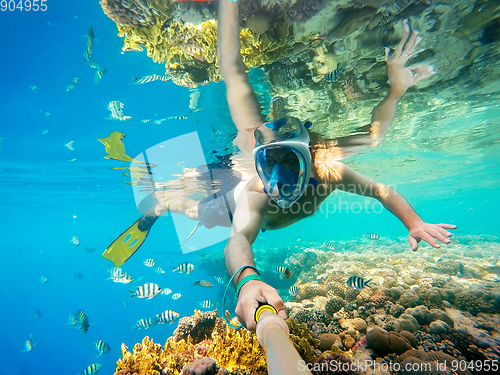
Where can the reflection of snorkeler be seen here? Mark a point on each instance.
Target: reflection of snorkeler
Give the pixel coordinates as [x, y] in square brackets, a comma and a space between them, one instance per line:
[311, 172]
[295, 167]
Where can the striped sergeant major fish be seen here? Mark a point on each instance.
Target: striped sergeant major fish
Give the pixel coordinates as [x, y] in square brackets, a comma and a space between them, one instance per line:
[145, 323]
[333, 76]
[28, 346]
[99, 74]
[177, 118]
[159, 270]
[148, 262]
[166, 291]
[219, 279]
[184, 268]
[357, 282]
[207, 304]
[92, 369]
[93, 64]
[167, 317]
[284, 272]
[115, 272]
[116, 109]
[84, 321]
[101, 347]
[148, 290]
[371, 236]
[150, 78]
[294, 290]
[90, 38]
[176, 296]
[87, 53]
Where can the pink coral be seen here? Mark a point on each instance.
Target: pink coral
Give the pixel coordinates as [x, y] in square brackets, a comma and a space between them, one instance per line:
[379, 299]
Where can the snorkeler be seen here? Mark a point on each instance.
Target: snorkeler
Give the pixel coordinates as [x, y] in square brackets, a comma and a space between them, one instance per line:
[295, 172]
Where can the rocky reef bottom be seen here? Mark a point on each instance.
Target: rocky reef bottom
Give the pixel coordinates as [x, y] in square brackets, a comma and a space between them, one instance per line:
[423, 313]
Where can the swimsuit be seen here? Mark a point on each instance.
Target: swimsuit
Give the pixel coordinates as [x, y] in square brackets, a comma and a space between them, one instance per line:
[217, 209]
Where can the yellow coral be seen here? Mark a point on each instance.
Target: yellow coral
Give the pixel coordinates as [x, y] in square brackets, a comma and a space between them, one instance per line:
[238, 350]
[189, 51]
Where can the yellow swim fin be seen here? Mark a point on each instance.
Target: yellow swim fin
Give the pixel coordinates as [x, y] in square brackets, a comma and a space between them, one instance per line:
[129, 241]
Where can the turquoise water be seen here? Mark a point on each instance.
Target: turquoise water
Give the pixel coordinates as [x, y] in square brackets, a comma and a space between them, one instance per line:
[448, 169]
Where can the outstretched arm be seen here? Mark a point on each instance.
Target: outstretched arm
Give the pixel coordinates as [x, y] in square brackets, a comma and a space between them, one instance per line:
[354, 182]
[243, 104]
[238, 252]
[401, 78]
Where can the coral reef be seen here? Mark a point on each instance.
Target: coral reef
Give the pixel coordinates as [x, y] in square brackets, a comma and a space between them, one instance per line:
[414, 358]
[384, 342]
[334, 304]
[202, 366]
[333, 363]
[304, 343]
[199, 326]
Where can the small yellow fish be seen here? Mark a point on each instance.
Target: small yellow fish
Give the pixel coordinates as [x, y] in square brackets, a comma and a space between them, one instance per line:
[203, 283]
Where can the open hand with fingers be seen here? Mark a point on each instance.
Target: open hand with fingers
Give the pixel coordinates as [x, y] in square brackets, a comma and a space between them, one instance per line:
[401, 77]
[429, 233]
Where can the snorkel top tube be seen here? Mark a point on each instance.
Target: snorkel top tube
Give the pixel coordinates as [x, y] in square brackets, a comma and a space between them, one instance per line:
[283, 160]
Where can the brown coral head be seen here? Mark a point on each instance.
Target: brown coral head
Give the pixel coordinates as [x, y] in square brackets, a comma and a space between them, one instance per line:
[202, 366]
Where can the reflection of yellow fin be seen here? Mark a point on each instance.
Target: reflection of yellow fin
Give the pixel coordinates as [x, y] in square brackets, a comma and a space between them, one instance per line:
[115, 148]
[129, 241]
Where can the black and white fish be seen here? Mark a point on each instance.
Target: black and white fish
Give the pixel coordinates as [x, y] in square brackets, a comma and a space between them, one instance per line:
[150, 78]
[115, 272]
[99, 74]
[166, 291]
[357, 282]
[149, 263]
[148, 290]
[90, 42]
[219, 279]
[116, 109]
[283, 272]
[93, 64]
[101, 347]
[294, 290]
[70, 147]
[145, 323]
[184, 268]
[176, 296]
[207, 304]
[83, 320]
[333, 245]
[177, 118]
[73, 85]
[372, 236]
[333, 76]
[167, 317]
[92, 369]
[159, 270]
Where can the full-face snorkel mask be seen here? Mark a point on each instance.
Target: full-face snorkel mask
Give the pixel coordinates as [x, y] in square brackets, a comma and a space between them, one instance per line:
[282, 159]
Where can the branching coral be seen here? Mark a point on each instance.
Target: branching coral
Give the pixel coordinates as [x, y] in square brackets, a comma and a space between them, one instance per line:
[304, 343]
